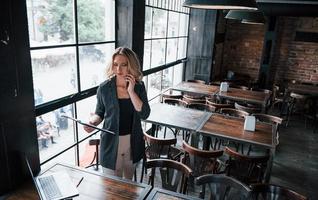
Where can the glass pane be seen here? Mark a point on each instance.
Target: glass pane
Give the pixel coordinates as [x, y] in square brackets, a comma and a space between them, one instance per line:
[167, 78]
[183, 25]
[96, 20]
[86, 152]
[177, 74]
[173, 24]
[148, 24]
[158, 52]
[93, 62]
[54, 73]
[154, 84]
[55, 133]
[159, 23]
[182, 48]
[50, 23]
[84, 110]
[172, 50]
[146, 59]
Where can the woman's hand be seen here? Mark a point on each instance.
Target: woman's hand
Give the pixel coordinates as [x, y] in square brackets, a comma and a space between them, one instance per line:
[94, 120]
[131, 83]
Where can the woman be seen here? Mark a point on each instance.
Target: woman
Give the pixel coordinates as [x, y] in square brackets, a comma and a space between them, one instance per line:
[122, 103]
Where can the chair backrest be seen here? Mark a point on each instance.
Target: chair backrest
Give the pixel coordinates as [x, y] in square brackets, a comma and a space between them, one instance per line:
[247, 169]
[274, 192]
[268, 118]
[218, 106]
[171, 95]
[234, 112]
[196, 81]
[223, 187]
[174, 175]
[193, 99]
[248, 109]
[202, 106]
[158, 147]
[201, 161]
[240, 87]
[173, 101]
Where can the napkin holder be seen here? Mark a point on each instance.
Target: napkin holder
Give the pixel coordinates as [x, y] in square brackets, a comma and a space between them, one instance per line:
[249, 124]
[224, 87]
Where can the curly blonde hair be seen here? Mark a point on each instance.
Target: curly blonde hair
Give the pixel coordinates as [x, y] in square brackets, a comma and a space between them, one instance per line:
[133, 63]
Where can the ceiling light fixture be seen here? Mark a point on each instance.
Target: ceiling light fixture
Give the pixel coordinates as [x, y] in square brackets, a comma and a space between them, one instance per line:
[247, 17]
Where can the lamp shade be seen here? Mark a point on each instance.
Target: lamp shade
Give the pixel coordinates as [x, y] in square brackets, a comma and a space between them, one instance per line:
[248, 17]
[221, 4]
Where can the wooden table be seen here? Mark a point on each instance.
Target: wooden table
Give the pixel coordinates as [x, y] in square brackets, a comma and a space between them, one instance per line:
[248, 96]
[232, 128]
[177, 117]
[196, 88]
[158, 194]
[303, 89]
[94, 186]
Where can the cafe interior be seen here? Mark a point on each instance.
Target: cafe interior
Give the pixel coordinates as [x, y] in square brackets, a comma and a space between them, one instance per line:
[232, 87]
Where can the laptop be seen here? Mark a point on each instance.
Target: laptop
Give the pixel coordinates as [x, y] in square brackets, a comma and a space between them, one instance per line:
[54, 186]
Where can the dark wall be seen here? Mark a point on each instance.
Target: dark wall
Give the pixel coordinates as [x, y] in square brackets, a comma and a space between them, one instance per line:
[130, 25]
[17, 119]
[202, 29]
[243, 48]
[294, 56]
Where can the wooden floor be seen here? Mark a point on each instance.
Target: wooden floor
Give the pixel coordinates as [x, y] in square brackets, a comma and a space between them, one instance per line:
[296, 159]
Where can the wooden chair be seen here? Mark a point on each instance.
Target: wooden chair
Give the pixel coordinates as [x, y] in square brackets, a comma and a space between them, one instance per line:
[276, 121]
[193, 99]
[224, 188]
[171, 95]
[94, 142]
[240, 87]
[234, 112]
[159, 148]
[174, 101]
[296, 104]
[202, 162]
[174, 175]
[248, 109]
[202, 106]
[247, 169]
[218, 106]
[196, 81]
[274, 192]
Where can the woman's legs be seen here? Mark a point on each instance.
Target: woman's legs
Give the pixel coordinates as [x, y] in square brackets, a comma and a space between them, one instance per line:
[125, 167]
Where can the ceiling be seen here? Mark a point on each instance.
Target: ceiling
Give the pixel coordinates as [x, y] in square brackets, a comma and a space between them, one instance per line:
[288, 7]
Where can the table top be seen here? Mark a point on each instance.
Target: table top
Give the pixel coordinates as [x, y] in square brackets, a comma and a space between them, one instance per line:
[94, 186]
[158, 194]
[303, 89]
[233, 128]
[196, 88]
[177, 116]
[249, 96]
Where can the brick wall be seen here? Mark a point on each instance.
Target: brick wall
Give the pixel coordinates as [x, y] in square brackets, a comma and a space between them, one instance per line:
[243, 48]
[294, 60]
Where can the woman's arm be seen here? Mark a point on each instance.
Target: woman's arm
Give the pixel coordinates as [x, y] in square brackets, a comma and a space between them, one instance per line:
[94, 120]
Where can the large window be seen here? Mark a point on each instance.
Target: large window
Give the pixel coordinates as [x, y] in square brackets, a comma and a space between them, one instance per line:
[166, 37]
[71, 41]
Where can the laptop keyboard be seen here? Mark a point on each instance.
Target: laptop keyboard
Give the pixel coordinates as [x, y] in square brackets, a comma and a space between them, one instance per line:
[50, 187]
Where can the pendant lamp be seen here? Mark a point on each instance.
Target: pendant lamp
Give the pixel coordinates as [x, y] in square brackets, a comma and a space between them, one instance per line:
[247, 17]
[221, 4]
